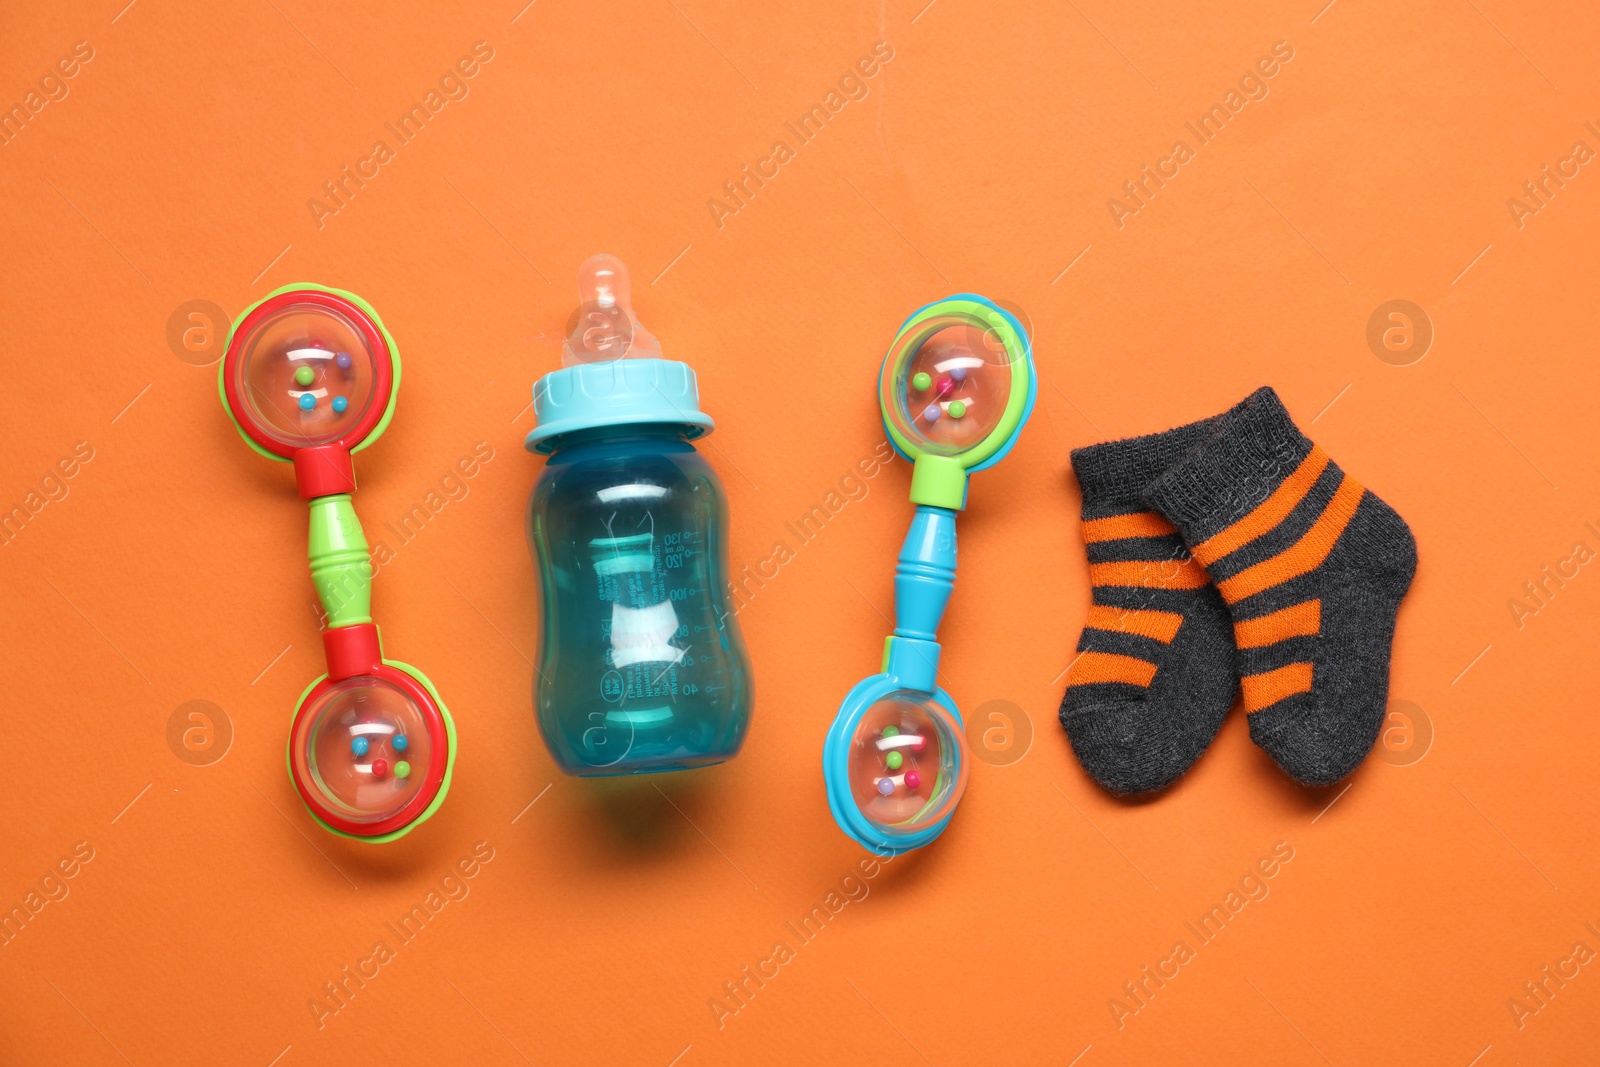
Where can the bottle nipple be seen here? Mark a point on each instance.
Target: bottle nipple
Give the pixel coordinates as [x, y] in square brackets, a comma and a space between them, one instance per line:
[605, 327]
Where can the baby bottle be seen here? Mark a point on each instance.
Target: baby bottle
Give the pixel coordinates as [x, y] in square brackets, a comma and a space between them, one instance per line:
[640, 666]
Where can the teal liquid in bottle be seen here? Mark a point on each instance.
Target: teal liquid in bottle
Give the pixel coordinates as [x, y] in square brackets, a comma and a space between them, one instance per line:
[641, 667]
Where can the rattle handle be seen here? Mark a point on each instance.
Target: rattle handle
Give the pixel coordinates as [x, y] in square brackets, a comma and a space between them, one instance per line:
[925, 573]
[340, 565]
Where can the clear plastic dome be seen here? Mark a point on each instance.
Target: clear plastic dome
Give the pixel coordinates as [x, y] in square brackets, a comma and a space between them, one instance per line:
[363, 750]
[306, 374]
[605, 327]
[906, 762]
[946, 384]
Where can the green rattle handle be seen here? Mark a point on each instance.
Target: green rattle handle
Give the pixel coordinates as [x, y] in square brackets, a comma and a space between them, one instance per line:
[341, 567]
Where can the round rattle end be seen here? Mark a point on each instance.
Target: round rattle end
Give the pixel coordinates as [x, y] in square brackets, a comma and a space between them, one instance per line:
[906, 764]
[309, 367]
[957, 382]
[345, 754]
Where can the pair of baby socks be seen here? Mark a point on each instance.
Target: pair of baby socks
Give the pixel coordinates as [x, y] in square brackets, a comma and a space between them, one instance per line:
[1231, 554]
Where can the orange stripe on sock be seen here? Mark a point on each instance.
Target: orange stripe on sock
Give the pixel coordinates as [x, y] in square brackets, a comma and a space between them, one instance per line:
[1268, 513]
[1121, 527]
[1304, 555]
[1160, 625]
[1261, 691]
[1300, 620]
[1150, 574]
[1093, 668]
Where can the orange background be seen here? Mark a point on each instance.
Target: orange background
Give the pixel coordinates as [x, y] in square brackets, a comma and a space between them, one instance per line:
[1422, 894]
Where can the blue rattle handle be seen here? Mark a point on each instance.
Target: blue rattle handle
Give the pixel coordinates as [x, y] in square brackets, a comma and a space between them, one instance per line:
[924, 576]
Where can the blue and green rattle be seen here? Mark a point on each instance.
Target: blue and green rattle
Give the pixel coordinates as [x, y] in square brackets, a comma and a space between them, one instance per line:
[956, 388]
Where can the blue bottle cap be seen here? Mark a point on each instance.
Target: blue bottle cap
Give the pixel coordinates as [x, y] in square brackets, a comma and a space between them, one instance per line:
[616, 393]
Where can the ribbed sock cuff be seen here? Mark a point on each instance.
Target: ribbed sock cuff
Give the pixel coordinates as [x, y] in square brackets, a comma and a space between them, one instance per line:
[1118, 472]
[1255, 446]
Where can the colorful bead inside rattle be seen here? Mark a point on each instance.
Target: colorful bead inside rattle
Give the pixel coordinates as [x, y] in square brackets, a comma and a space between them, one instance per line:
[906, 773]
[359, 749]
[307, 373]
[947, 384]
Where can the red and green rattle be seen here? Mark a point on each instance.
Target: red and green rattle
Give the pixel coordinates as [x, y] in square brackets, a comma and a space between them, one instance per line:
[310, 376]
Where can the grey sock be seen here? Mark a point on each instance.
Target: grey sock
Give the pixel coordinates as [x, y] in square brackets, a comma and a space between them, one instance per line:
[1312, 567]
[1155, 673]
